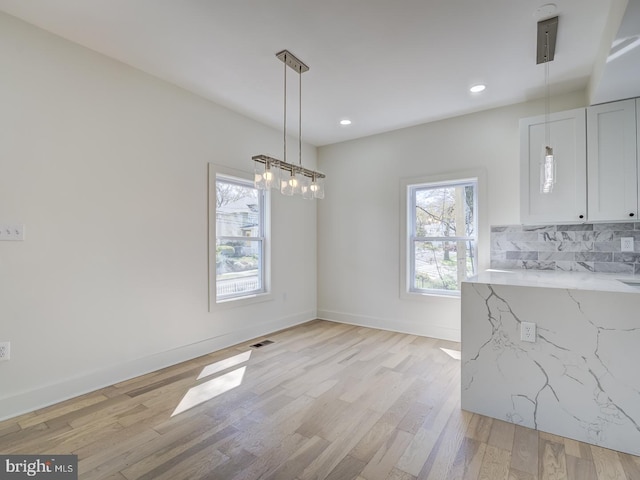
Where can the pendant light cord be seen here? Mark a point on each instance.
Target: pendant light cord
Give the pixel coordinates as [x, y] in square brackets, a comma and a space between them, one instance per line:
[284, 129]
[546, 84]
[299, 115]
[300, 119]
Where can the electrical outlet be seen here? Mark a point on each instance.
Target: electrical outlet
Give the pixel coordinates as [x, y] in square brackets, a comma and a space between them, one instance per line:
[626, 244]
[5, 351]
[12, 232]
[528, 331]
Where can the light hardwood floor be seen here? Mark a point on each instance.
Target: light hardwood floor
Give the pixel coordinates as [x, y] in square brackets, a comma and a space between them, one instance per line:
[324, 401]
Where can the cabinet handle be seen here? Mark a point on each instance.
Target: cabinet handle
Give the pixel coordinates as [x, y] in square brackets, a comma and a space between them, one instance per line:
[632, 214]
[582, 216]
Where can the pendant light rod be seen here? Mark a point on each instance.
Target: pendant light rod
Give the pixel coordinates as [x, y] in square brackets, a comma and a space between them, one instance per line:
[300, 119]
[284, 127]
[297, 65]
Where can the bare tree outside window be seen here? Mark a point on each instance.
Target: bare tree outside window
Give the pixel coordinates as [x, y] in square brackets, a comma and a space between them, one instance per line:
[443, 235]
[227, 193]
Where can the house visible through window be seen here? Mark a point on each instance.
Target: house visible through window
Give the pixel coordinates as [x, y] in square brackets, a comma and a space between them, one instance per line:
[240, 239]
[442, 235]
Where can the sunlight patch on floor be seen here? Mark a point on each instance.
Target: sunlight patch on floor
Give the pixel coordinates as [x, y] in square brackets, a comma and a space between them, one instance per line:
[456, 354]
[210, 389]
[224, 364]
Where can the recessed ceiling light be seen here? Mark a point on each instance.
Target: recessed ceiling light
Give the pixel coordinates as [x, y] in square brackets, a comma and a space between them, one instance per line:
[477, 88]
[345, 122]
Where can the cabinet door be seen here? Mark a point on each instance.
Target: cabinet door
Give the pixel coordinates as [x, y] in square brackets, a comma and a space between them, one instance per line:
[611, 161]
[567, 136]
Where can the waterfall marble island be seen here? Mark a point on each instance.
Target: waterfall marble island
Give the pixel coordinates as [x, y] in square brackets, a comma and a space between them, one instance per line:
[580, 378]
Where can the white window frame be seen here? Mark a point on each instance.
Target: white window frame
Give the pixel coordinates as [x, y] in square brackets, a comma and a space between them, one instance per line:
[233, 175]
[407, 187]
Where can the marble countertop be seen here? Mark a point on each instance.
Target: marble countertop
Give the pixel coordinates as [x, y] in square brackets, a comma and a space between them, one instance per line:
[606, 282]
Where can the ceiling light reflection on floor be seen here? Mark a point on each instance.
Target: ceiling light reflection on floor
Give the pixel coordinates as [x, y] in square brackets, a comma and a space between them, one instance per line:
[456, 354]
[224, 364]
[210, 389]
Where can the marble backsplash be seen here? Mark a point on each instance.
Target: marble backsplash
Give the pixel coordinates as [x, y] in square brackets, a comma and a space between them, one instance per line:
[588, 247]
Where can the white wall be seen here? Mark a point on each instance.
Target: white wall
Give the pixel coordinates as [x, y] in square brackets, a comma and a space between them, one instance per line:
[107, 167]
[359, 220]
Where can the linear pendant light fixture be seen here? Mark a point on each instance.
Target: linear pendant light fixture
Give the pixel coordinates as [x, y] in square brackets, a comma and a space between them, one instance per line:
[290, 179]
[546, 48]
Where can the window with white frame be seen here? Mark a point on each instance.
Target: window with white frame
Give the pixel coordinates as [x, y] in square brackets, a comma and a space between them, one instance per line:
[239, 232]
[441, 235]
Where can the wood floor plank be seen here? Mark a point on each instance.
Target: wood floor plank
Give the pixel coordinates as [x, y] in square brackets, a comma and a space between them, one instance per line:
[349, 468]
[302, 457]
[33, 439]
[63, 409]
[196, 466]
[268, 463]
[572, 447]
[495, 464]
[468, 460]
[380, 466]
[96, 412]
[524, 454]
[414, 418]
[581, 469]
[324, 401]
[480, 428]
[338, 449]
[373, 439]
[607, 463]
[440, 462]
[260, 437]
[9, 427]
[178, 455]
[397, 474]
[630, 466]
[94, 464]
[141, 455]
[240, 460]
[425, 439]
[502, 434]
[515, 474]
[552, 463]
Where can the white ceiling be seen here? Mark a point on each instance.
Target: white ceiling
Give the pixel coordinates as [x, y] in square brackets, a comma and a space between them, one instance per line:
[384, 64]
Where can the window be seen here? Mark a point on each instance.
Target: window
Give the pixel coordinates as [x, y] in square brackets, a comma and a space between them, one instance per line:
[238, 261]
[441, 235]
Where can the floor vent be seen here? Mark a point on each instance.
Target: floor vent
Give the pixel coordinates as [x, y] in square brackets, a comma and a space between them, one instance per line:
[261, 344]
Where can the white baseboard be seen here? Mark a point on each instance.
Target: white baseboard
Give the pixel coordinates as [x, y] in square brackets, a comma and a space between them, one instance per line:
[72, 387]
[394, 325]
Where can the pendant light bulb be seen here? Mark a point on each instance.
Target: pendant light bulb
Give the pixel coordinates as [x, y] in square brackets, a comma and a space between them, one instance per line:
[548, 173]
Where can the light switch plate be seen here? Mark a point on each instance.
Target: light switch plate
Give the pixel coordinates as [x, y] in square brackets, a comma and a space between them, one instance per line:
[626, 244]
[12, 232]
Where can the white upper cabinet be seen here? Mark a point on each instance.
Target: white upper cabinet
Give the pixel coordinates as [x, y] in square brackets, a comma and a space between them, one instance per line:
[612, 167]
[567, 136]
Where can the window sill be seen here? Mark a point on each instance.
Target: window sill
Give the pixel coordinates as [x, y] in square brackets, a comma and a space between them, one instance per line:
[240, 301]
[425, 296]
